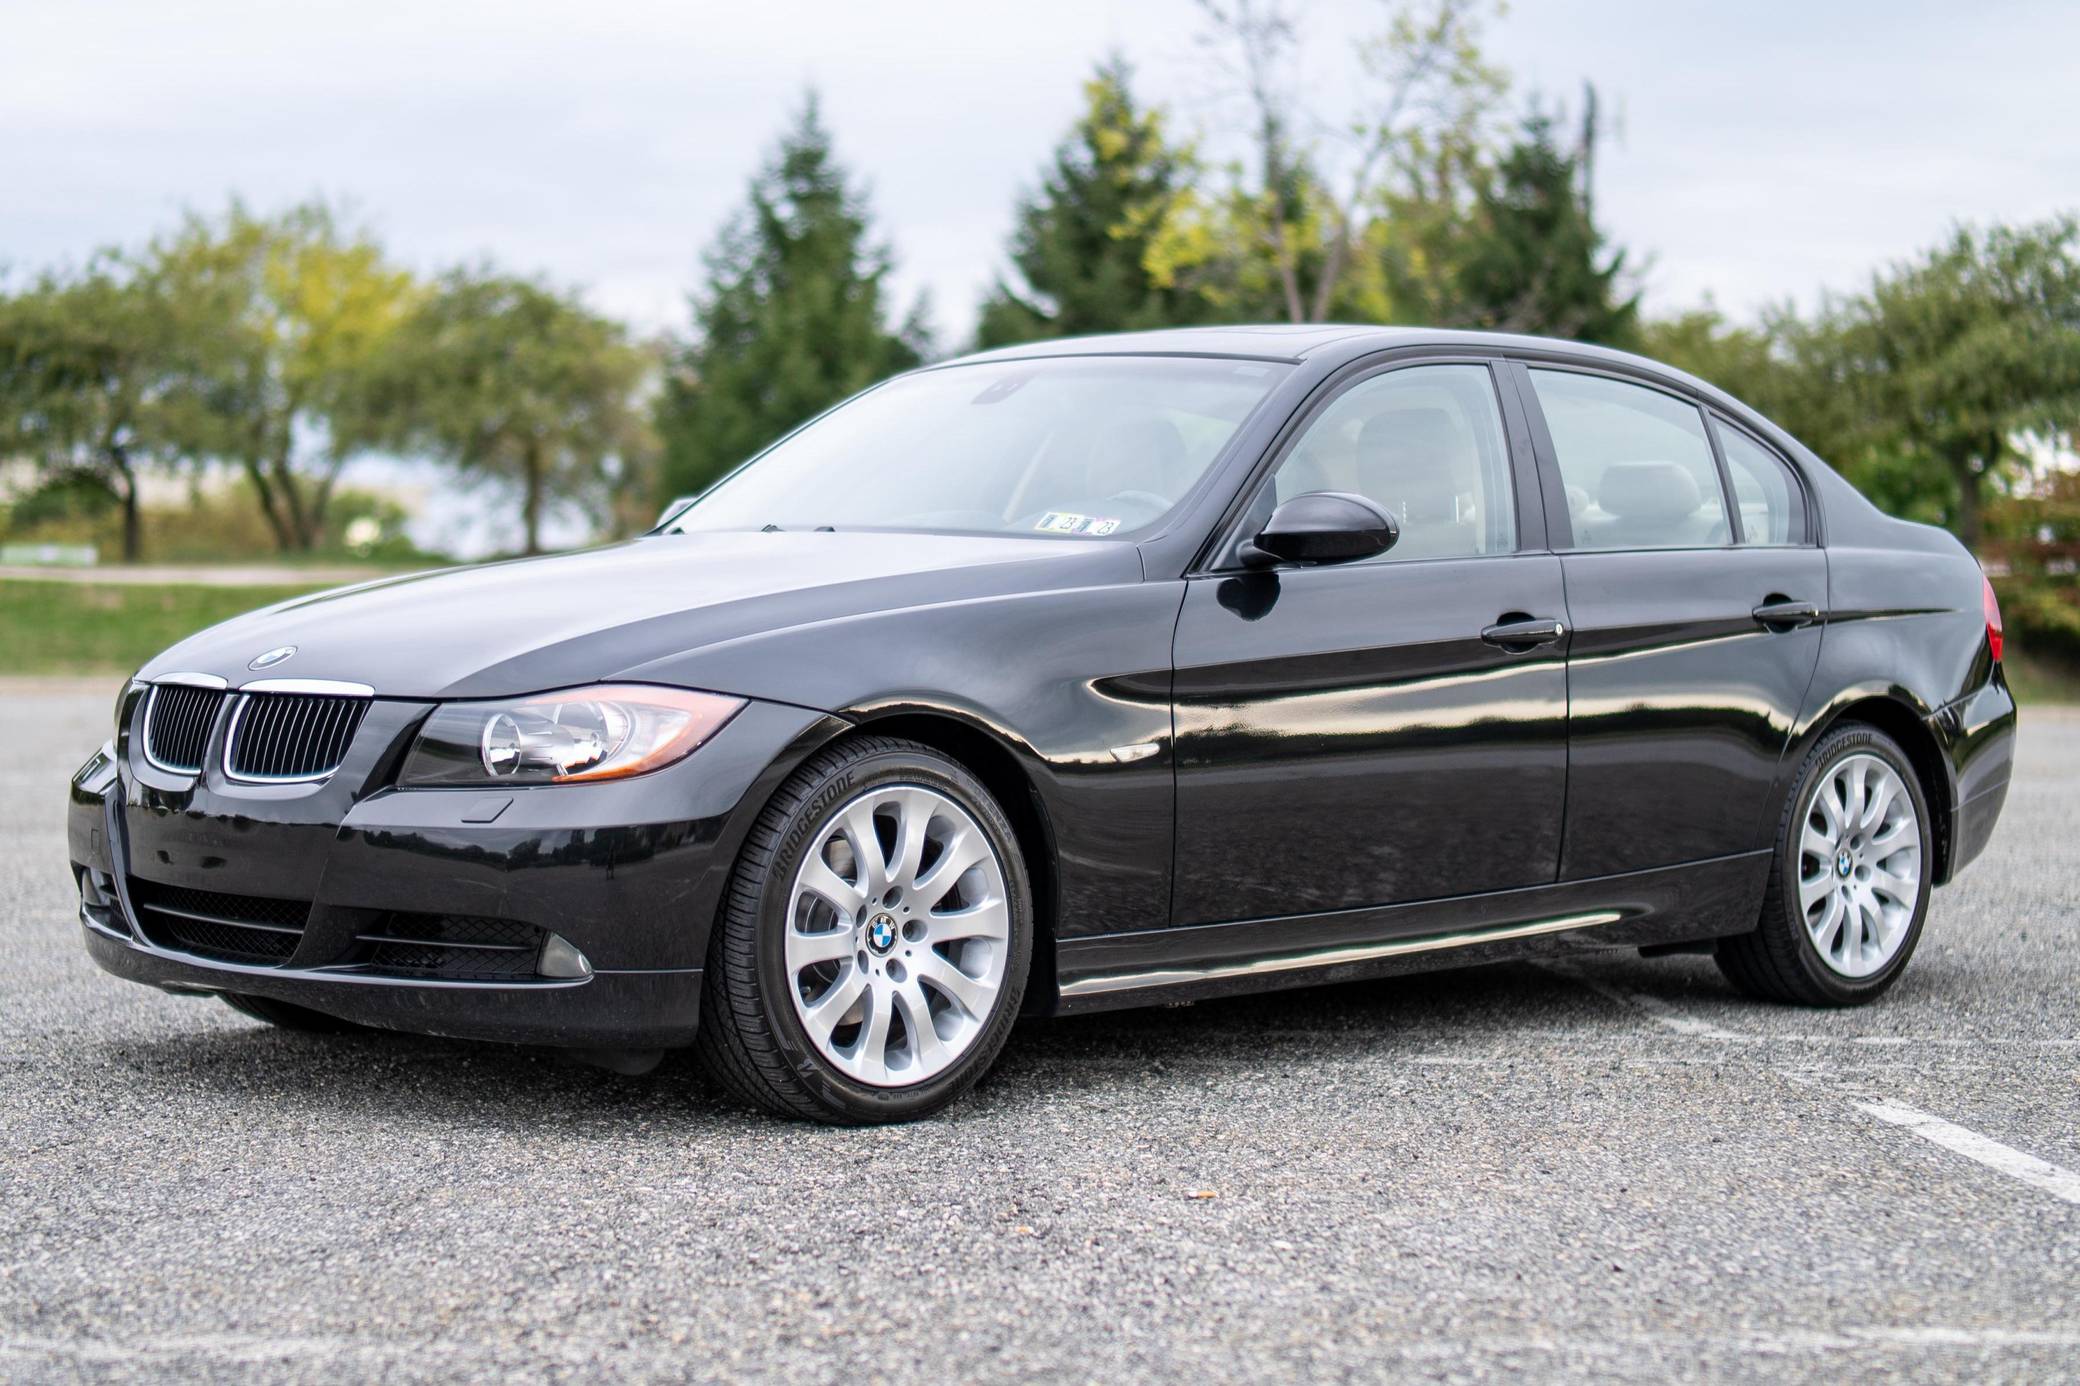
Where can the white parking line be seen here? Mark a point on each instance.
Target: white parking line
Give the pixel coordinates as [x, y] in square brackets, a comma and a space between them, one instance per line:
[2055, 1180]
[2042, 1174]
[1653, 1006]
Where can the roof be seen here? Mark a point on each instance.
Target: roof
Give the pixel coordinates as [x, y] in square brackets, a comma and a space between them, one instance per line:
[1289, 342]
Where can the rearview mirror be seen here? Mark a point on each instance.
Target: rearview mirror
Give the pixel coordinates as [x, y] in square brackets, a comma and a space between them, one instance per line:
[1322, 527]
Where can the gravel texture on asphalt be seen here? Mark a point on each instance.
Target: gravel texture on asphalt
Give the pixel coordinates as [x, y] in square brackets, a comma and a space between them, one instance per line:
[1612, 1169]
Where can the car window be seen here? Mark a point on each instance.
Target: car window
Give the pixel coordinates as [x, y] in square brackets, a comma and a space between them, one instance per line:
[1765, 493]
[1060, 447]
[1635, 462]
[1425, 443]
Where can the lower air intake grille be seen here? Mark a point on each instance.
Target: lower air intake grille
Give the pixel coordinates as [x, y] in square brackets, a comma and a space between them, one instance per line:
[291, 736]
[454, 947]
[213, 924]
[177, 721]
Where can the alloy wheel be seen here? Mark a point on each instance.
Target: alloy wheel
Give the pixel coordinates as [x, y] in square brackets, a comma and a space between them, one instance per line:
[898, 932]
[1859, 870]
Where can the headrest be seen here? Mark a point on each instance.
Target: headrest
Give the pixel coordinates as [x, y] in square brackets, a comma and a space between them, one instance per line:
[1651, 491]
[1410, 440]
[1406, 460]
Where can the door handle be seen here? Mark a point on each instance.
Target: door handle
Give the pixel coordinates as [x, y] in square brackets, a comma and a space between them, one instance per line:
[1524, 635]
[1785, 613]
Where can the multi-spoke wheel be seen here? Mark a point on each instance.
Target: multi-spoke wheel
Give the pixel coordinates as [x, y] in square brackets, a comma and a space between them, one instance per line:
[1850, 884]
[897, 935]
[873, 950]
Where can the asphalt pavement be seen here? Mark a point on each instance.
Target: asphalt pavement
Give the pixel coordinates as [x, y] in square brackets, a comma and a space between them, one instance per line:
[1613, 1170]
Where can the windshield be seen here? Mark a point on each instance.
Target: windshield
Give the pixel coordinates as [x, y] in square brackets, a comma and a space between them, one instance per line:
[1076, 447]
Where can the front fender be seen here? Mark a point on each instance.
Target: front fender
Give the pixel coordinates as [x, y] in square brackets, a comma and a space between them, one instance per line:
[1074, 684]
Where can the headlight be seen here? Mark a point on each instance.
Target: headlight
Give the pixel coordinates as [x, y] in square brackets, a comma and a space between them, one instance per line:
[602, 733]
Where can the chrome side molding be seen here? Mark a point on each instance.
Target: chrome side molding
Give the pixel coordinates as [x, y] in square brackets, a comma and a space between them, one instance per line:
[1333, 957]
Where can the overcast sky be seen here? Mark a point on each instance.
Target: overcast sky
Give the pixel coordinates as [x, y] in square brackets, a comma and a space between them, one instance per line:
[1762, 150]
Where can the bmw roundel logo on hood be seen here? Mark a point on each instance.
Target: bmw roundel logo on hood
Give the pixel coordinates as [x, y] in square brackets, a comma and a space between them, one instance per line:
[273, 657]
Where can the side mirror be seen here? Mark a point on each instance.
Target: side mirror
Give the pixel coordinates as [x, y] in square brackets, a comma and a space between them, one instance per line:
[1322, 527]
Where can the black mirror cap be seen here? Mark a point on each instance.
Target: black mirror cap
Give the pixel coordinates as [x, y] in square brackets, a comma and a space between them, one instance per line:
[1323, 527]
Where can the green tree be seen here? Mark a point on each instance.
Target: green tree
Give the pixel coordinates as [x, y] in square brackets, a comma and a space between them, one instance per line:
[1083, 243]
[282, 322]
[1953, 359]
[792, 318]
[1782, 365]
[84, 362]
[1530, 257]
[507, 378]
[1288, 239]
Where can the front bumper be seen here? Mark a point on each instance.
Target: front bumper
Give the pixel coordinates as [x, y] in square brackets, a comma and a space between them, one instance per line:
[629, 873]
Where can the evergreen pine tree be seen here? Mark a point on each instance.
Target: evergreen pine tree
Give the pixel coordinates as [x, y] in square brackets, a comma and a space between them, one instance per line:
[1080, 250]
[1533, 259]
[791, 320]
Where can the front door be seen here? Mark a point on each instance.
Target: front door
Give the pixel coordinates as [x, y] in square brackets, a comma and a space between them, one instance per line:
[1386, 731]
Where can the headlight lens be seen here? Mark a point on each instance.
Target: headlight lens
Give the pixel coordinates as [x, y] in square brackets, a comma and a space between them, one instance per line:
[605, 732]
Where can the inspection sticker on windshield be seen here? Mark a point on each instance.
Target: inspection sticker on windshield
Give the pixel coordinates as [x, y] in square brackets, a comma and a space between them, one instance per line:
[1068, 522]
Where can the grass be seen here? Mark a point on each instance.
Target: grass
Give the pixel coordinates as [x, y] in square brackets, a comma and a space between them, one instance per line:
[2039, 680]
[111, 628]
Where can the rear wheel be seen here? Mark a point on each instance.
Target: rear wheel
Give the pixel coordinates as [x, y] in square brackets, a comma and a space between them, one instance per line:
[872, 952]
[1850, 884]
[284, 1015]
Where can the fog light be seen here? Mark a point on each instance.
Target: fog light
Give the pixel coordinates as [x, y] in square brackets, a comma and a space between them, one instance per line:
[559, 959]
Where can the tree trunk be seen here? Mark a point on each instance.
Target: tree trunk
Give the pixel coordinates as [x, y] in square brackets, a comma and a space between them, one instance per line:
[1969, 480]
[257, 474]
[126, 476]
[302, 536]
[133, 528]
[321, 496]
[532, 505]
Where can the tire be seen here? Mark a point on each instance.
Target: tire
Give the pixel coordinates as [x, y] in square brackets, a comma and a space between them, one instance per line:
[756, 1035]
[286, 1016]
[1782, 960]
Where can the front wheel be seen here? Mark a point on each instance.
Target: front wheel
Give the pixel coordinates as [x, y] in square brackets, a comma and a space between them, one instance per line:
[873, 948]
[1850, 883]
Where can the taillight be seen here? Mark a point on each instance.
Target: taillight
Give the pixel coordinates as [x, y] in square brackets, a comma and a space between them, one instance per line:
[1993, 619]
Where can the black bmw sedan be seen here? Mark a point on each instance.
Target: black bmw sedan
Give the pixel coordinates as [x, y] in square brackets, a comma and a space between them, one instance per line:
[1087, 674]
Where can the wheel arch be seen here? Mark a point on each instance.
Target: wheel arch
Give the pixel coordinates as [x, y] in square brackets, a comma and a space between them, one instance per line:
[997, 764]
[1901, 719]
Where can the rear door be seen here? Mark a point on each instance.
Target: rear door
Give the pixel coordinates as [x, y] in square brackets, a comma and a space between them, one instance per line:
[1697, 600]
[1372, 733]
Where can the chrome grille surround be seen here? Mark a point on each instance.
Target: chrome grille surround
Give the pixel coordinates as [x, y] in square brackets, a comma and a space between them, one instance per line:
[180, 711]
[292, 731]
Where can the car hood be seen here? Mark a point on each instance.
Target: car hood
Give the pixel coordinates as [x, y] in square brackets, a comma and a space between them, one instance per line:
[531, 624]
